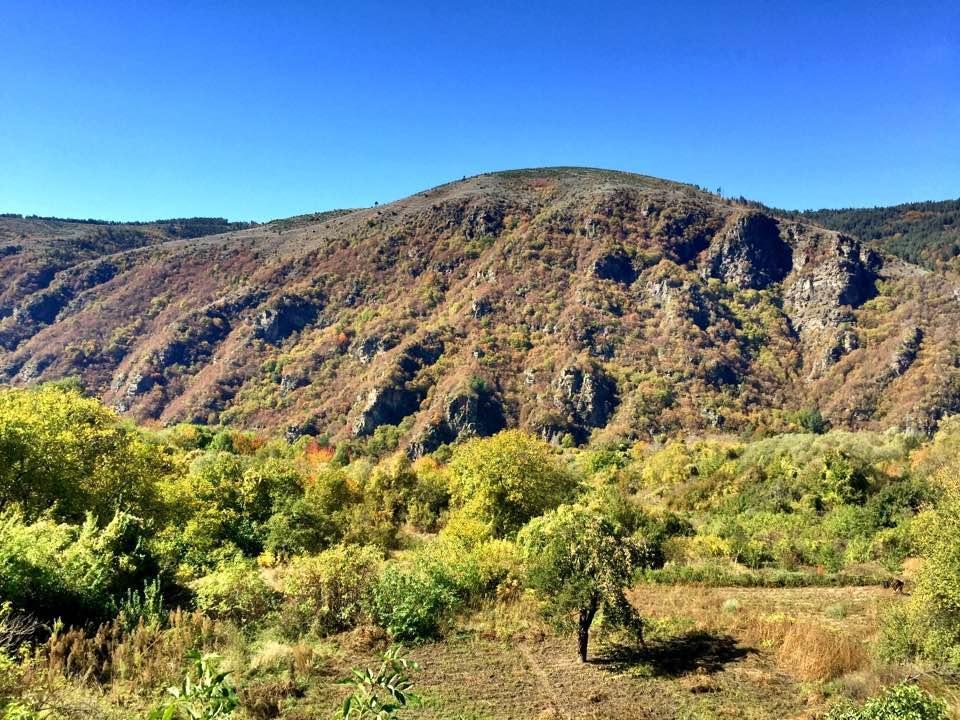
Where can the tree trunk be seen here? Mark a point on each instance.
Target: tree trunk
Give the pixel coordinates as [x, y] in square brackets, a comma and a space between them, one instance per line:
[583, 629]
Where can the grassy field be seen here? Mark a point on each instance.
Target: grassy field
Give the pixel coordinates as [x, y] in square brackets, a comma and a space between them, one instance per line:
[710, 653]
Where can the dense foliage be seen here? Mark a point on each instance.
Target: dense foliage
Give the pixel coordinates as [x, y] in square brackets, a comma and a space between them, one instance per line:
[107, 528]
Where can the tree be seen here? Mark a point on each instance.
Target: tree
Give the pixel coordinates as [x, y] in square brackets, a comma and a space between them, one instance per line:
[507, 479]
[59, 449]
[580, 562]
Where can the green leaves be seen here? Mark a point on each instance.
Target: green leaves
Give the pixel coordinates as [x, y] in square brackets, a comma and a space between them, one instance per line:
[204, 694]
[507, 479]
[383, 693]
[577, 559]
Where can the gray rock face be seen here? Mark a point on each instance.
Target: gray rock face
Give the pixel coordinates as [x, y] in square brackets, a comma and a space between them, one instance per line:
[398, 395]
[481, 307]
[825, 290]
[385, 406]
[286, 315]
[368, 348]
[587, 397]
[465, 415]
[751, 255]
[906, 353]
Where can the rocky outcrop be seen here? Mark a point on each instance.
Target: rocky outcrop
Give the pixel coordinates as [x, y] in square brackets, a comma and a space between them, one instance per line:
[616, 265]
[583, 399]
[385, 406]
[481, 307]
[398, 394]
[366, 349]
[286, 315]
[751, 254]
[466, 414]
[906, 353]
[841, 276]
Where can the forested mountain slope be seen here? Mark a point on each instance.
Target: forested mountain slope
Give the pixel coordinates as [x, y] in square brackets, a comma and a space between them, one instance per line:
[566, 301]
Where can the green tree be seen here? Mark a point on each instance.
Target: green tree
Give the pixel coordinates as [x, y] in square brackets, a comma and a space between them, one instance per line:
[507, 479]
[580, 562]
[60, 449]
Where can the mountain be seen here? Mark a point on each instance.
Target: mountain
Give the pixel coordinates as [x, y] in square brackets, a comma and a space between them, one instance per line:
[573, 302]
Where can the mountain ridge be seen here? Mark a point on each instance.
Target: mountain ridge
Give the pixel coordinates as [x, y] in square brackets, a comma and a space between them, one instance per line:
[574, 302]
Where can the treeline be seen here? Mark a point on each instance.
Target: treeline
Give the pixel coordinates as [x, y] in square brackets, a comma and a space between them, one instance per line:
[925, 232]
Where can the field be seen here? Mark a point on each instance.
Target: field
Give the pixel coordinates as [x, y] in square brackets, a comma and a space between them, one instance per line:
[710, 653]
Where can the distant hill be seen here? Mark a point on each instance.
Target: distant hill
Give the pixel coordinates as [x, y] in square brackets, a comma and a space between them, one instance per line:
[926, 233]
[570, 301]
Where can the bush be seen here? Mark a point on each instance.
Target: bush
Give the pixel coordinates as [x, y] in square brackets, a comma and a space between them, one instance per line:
[331, 591]
[74, 572]
[412, 604]
[61, 450]
[905, 701]
[236, 591]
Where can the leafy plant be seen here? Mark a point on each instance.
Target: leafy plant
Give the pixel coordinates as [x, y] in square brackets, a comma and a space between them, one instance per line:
[204, 694]
[901, 702]
[411, 604]
[144, 606]
[380, 694]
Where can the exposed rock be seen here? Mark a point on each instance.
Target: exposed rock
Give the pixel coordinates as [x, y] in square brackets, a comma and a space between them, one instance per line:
[368, 348]
[835, 279]
[845, 342]
[588, 397]
[385, 406]
[286, 315]
[481, 307]
[616, 265]
[399, 396]
[485, 221]
[465, 414]
[906, 353]
[751, 254]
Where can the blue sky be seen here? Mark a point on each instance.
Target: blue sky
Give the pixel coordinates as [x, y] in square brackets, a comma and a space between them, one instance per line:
[260, 110]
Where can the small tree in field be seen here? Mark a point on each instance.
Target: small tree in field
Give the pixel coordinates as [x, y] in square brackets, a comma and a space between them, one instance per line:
[580, 562]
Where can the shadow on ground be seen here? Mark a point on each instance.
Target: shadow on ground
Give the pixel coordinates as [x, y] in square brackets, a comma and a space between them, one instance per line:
[700, 652]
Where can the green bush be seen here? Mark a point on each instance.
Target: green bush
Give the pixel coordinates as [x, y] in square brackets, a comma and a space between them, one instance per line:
[331, 591]
[507, 479]
[905, 701]
[412, 604]
[235, 591]
[74, 572]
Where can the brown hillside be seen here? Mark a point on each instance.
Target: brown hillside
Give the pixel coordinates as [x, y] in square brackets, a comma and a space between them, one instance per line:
[568, 301]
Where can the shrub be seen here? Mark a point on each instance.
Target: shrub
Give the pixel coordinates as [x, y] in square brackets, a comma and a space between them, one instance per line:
[331, 591]
[59, 449]
[236, 591]
[76, 572]
[412, 604]
[905, 701]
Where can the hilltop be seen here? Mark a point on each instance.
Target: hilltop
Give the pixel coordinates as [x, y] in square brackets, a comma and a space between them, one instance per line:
[571, 302]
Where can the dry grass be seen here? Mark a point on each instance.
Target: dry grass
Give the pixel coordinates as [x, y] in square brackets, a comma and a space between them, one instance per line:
[812, 652]
[142, 657]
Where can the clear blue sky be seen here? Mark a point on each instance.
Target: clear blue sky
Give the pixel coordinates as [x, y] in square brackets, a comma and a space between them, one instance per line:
[139, 110]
